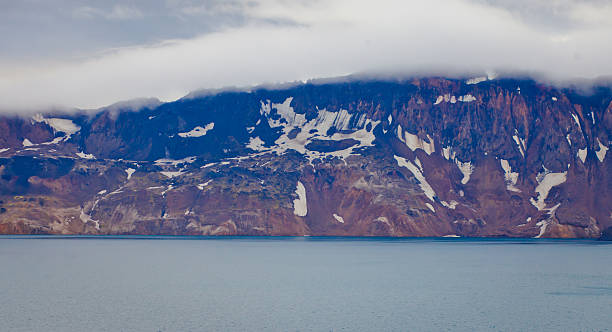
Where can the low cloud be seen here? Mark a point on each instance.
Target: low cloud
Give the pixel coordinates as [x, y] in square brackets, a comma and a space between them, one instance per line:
[117, 12]
[287, 41]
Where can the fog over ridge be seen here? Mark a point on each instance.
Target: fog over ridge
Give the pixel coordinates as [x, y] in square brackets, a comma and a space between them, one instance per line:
[561, 42]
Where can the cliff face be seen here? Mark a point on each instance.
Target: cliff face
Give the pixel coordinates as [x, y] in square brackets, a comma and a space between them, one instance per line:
[427, 157]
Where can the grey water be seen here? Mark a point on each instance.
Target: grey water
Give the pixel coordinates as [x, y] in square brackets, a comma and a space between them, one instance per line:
[303, 284]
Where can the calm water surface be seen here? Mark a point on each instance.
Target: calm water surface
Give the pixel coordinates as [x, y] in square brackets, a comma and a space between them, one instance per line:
[303, 284]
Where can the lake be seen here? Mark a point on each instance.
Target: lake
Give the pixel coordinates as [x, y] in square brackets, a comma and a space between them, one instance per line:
[303, 284]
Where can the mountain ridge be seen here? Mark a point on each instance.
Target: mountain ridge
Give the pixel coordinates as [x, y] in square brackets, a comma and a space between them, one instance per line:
[419, 157]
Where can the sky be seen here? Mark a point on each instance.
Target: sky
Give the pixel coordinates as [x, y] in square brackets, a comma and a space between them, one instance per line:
[62, 54]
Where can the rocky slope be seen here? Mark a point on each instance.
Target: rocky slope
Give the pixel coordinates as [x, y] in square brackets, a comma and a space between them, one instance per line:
[422, 157]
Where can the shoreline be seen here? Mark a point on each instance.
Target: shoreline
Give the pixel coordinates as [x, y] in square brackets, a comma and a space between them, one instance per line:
[298, 238]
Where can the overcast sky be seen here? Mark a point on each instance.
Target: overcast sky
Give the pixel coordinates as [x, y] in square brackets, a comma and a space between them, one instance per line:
[87, 54]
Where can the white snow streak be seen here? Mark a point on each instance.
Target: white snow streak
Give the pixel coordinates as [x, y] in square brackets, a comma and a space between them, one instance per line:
[430, 207]
[577, 122]
[427, 189]
[300, 205]
[519, 142]
[202, 185]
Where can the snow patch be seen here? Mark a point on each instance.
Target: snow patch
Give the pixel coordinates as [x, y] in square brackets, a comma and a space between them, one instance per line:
[577, 122]
[85, 218]
[4, 150]
[601, 153]
[129, 172]
[316, 129]
[510, 177]
[63, 125]
[170, 175]
[425, 187]
[198, 131]
[418, 163]
[546, 180]
[519, 142]
[202, 185]
[57, 124]
[170, 187]
[451, 205]
[546, 222]
[430, 207]
[582, 154]
[414, 142]
[85, 155]
[554, 98]
[467, 98]
[448, 98]
[300, 205]
[27, 142]
[285, 111]
[255, 143]
[466, 169]
[338, 218]
[448, 153]
[56, 140]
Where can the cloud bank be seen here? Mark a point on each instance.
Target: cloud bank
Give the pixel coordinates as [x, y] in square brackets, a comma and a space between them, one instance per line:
[280, 41]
